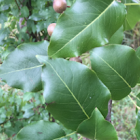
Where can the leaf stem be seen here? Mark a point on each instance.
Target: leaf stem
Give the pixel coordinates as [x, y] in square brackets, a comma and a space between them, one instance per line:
[129, 4]
[65, 136]
[81, 138]
[134, 102]
[135, 96]
[85, 56]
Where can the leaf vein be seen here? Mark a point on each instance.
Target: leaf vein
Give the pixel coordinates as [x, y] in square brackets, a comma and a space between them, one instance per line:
[69, 90]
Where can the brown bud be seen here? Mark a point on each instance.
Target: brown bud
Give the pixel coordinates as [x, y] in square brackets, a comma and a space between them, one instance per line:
[59, 5]
[51, 28]
[77, 59]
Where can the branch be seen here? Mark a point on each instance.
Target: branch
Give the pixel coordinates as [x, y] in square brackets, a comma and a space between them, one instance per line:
[20, 2]
[108, 118]
[17, 4]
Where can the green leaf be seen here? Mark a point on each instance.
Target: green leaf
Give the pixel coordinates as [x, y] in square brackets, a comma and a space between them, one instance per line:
[11, 131]
[3, 17]
[40, 130]
[138, 55]
[36, 17]
[87, 24]
[28, 113]
[27, 96]
[40, 15]
[7, 124]
[24, 11]
[96, 127]
[133, 12]
[4, 7]
[118, 68]
[40, 26]
[138, 52]
[2, 114]
[21, 68]
[31, 26]
[72, 91]
[3, 34]
[137, 128]
[117, 38]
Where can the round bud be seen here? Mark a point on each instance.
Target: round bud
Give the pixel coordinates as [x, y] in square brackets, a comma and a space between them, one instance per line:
[59, 5]
[77, 59]
[51, 28]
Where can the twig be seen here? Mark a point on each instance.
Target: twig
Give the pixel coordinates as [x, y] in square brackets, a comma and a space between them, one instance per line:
[108, 118]
[20, 2]
[134, 96]
[17, 4]
[134, 103]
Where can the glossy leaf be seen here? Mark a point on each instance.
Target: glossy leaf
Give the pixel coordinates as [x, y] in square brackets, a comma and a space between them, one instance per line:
[118, 67]
[97, 128]
[72, 91]
[137, 128]
[21, 69]
[87, 24]
[133, 14]
[40, 130]
[118, 36]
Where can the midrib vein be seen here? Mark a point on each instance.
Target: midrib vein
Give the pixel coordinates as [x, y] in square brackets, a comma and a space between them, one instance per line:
[21, 70]
[69, 90]
[113, 70]
[84, 28]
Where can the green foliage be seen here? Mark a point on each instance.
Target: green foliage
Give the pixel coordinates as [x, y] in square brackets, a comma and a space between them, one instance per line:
[30, 70]
[121, 71]
[61, 101]
[17, 110]
[24, 21]
[97, 128]
[75, 95]
[41, 131]
[92, 24]
[118, 36]
[132, 16]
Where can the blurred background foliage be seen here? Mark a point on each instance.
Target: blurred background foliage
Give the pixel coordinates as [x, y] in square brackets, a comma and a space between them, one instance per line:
[27, 21]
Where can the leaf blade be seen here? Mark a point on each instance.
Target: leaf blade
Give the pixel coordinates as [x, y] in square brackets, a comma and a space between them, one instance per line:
[66, 42]
[97, 127]
[112, 65]
[72, 102]
[40, 130]
[132, 16]
[23, 68]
